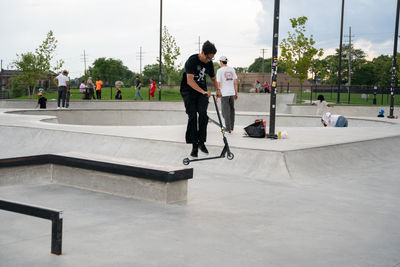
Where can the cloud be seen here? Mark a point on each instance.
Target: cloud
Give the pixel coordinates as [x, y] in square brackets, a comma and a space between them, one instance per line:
[372, 22]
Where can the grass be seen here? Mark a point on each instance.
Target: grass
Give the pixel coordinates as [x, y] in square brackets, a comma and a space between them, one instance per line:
[108, 93]
[356, 99]
[172, 94]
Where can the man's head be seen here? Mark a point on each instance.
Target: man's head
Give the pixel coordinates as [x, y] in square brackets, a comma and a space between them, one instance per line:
[65, 72]
[207, 52]
[40, 94]
[223, 60]
[321, 98]
[151, 80]
[98, 78]
[137, 77]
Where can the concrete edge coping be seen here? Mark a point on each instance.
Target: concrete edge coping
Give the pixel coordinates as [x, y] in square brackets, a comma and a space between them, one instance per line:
[105, 164]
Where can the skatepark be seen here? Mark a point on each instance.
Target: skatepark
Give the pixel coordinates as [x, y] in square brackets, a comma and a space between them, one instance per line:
[321, 197]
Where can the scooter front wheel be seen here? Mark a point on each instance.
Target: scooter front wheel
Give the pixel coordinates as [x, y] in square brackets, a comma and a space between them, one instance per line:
[186, 161]
[230, 156]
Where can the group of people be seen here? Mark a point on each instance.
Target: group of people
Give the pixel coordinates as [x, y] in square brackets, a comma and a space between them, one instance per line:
[258, 88]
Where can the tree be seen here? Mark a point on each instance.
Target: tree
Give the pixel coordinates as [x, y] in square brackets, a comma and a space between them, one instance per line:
[256, 66]
[110, 70]
[330, 66]
[34, 66]
[170, 52]
[151, 71]
[298, 51]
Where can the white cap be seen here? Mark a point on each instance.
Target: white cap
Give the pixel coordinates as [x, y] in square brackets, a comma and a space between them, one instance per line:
[223, 58]
[326, 116]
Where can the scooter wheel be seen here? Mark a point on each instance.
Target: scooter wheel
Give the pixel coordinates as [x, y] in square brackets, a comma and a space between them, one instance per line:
[230, 156]
[186, 161]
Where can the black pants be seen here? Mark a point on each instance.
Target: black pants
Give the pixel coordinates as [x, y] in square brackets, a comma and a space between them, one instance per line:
[62, 93]
[196, 131]
[98, 94]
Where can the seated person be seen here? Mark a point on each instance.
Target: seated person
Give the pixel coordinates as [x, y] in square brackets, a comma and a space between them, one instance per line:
[381, 113]
[118, 94]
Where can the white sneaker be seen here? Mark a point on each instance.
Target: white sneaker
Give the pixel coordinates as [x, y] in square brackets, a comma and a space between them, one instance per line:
[62, 108]
[58, 107]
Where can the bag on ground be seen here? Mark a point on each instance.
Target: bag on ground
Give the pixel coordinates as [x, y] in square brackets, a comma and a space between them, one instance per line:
[256, 129]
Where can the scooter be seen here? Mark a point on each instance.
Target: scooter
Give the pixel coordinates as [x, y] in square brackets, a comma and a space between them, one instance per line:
[225, 151]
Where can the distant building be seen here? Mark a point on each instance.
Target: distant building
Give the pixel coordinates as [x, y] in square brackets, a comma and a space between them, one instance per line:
[7, 75]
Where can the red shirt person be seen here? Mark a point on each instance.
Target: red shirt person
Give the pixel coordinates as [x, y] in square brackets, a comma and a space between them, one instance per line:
[152, 88]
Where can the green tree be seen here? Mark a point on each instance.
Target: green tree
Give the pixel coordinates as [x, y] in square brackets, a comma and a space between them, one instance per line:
[256, 66]
[34, 66]
[110, 70]
[170, 53]
[298, 51]
[330, 66]
[151, 71]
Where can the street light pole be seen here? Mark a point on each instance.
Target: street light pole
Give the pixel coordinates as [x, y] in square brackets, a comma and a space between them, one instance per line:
[274, 72]
[393, 84]
[160, 63]
[340, 55]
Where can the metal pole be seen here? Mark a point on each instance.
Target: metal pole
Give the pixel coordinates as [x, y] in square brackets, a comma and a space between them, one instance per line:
[274, 71]
[393, 84]
[160, 65]
[340, 55]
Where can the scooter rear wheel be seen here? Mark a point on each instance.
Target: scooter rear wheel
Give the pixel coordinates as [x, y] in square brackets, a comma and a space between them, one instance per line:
[186, 161]
[230, 156]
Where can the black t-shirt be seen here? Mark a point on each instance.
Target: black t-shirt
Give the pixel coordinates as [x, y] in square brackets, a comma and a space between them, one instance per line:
[42, 102]
[138, 85]
[199, 69]
[118, 95]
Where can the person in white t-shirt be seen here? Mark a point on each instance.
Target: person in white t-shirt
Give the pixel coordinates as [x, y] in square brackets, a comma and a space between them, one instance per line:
[62, 82]
[333, 120]
[227, 90]
[321, 105]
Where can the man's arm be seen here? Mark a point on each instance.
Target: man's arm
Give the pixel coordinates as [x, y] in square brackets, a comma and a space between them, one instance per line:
[55, 81]
[195, 86]
[236, 91]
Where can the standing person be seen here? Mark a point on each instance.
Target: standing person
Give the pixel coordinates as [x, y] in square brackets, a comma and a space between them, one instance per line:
[118, 94]
[152, 88]
[227, 88]
[138, 87]
[99, 83]
[42, 101]
[332, 120]
[62, 81]
[195, 96]
[90, 86]
[321, 105]
[83, 89]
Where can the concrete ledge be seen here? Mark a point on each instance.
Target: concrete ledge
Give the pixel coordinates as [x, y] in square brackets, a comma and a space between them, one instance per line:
[124, 178]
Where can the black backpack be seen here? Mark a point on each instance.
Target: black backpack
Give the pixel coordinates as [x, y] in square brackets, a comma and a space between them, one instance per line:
[256, 129]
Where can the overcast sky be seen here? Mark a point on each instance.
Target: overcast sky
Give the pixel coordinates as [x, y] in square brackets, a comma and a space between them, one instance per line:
[239, 28]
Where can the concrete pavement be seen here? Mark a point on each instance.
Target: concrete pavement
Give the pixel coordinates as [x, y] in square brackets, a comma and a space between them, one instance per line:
[323, 197]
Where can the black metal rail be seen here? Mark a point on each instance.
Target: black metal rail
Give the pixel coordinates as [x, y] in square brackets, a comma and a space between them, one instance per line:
[54, 215]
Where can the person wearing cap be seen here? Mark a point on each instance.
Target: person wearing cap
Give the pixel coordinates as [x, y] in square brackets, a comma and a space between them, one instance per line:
[41, 101]
[195, 96]
[381, 112]
[227, 90]
[62, 82]
[332, 120]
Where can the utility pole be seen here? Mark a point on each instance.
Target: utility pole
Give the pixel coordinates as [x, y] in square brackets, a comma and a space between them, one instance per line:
[274, 72]
[393, 84]
[263, 51]
[349, 56]
[340, 55]
[198, 43]
[160, 60]
[140, 57]
[84, 60]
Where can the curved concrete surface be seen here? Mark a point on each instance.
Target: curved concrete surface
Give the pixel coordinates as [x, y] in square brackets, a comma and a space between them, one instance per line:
[322, 197]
